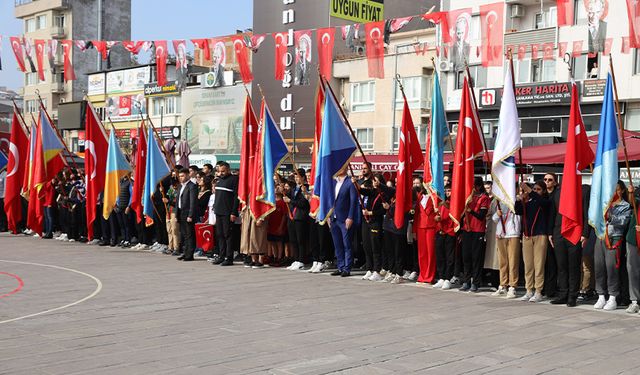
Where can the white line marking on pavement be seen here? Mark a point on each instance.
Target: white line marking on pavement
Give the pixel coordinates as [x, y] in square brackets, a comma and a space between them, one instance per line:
[95, 292]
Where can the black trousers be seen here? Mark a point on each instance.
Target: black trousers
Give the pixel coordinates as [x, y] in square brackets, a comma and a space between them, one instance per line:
[372, 245]
[188, 237]
[569, 267]
[3, 217]
[550, 274]
[223, 236]
[396, 246]
[472, 256]
[299, 238]
[320, 242]
[160, 223]
[445, 256]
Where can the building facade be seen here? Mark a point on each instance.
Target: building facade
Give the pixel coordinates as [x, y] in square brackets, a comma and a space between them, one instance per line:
[77, 20]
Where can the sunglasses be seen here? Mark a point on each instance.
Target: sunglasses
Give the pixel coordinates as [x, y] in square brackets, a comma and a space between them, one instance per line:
[549, 179]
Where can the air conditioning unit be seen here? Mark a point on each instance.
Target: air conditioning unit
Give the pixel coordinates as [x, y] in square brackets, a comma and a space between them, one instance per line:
[517, 11]
[444, 65]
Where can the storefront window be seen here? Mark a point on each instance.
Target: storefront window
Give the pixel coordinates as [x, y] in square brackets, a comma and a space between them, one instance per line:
[551, 125]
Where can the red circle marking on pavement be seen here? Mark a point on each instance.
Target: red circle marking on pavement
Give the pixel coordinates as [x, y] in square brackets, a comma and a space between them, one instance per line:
[16, 290]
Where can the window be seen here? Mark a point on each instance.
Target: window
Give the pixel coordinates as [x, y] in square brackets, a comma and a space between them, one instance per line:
[580, 12]
[475, 28]
[521, 70]
[158, 106]
[580, 67]
[478, 77]
[31, 106]
[58, 20]
[543, 125]
[172, 105]
[30, 25]
[548, 18]
[41, 22]
[543, 70]
[417, 90]
[31, 79]
[365, 137]
[363, 96]
[636, 61]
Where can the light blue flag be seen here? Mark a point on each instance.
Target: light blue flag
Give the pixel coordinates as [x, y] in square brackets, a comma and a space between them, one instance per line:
[605, 171]
[439, 134]
[156, 169]
[275, 150]
[4, 160]
[336, 148]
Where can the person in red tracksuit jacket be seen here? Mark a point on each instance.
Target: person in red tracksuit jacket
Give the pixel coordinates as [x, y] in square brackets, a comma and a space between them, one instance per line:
[424, 224]
[445, 244]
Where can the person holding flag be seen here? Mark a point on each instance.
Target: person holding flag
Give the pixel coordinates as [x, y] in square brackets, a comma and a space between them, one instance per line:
[609, 212]
[16, 171]
[96, 150]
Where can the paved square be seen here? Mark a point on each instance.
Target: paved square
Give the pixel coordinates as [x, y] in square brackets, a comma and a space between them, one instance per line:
[102, 310]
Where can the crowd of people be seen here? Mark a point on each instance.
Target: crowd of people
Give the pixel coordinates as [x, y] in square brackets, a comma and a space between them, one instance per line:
[493, 247]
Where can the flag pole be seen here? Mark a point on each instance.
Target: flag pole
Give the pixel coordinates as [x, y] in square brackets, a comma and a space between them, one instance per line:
[164, 150]
[435, 69]
[290, 154]
[475, 105]
[17, 110]
[624, 142]
[346, 120]
[56, 129]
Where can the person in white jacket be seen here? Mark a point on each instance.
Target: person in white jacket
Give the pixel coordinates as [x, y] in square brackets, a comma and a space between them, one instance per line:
[508, 244]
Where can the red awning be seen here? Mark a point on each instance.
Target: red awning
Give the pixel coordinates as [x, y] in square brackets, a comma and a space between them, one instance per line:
[534, 155]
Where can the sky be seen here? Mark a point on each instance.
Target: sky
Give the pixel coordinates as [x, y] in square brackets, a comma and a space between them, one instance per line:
[182, 19]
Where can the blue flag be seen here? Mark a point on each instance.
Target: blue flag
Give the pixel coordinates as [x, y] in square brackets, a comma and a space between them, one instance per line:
[4, 160]
[336, 148]
[156, 169]
[439, 133]
[605, 171]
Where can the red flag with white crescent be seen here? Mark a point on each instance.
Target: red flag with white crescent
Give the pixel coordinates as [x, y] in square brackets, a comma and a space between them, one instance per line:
[101, 47]
[69, 73]
[96, 147]
[522, 51]
[280, 54]
[492, 25]
[626, 45]
[133, 47]
[325, 39]
[565, 12]
[16, 46]
[16, 168]
[375, 48]
[203, 45]
[247, 152]
[242, 58]
[398, 23]
[161, 61]
[633, 15]
[547, 51]
[534, 51]
[205, 239]
[562, 49]
[40, 47]
[576, 50]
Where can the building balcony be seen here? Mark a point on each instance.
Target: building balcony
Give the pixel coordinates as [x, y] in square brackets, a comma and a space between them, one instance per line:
[24, 8]
[528, 37]
[57, 88]
[58, 59]
[58, 32]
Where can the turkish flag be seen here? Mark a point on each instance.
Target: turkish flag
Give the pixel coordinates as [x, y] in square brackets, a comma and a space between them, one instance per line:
[492, 25]
[626, 45]
[52, 50]
[375, 48]
[16, 168]
[469, 145]
[40, 47]
[577, 48]
[409, 159]
[96, 147]
[254, 41]
[608, 43]
[547, 51]
[247, 152]
[69, 73]
[242, 58]
[562, 49]
[101, 47]
[578, 157]
[280, 54]
[522, 52]
[205, 237]
[565, 12]
[534, 51]
[16, 46]
[324, 40]
[133, 47]
[442, 19]
[161, 61]
[633, 14]
[28, 49]
[139, 173]
[203, 45]
[180, 50]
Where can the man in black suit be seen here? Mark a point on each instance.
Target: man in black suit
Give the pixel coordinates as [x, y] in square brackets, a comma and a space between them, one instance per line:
[186, 215]
[226, 208]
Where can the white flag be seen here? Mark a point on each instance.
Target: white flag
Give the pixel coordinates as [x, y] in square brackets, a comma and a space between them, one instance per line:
[503, 168]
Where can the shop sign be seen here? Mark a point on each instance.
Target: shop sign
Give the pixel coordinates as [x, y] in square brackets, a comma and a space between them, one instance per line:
[152, 89]
[593, 87]
[529, 95]
[358, 10]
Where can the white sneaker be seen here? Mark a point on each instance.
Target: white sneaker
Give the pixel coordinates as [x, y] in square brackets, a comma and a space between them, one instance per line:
[536, 297]
[143, 247]
[406, 274]
[321, 267]
[388, 278]
[446, 285]
[601, 302]
[36, 235]
[375, 276]
[367, 275]
[633, 308]
[500, 292]
[397, 280]
[611, 304]
[511, 293]
[72, 240]
[439, 284]
[313, 267]
[413, 276]
[383, 272]
[290, 268]
[296, 266]
[28, 231]
[527, 296]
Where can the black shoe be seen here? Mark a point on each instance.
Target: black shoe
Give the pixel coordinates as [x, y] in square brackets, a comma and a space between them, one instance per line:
[582, 296]
[345, 274]
[248, 264]
[176, 253]
[336, 273]
[571, 303]
[257, 265]
[560, 301]
[227, 262]
[187, 260]
[112, 244]
[181, 257]
[217, 261]
[48, 236]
